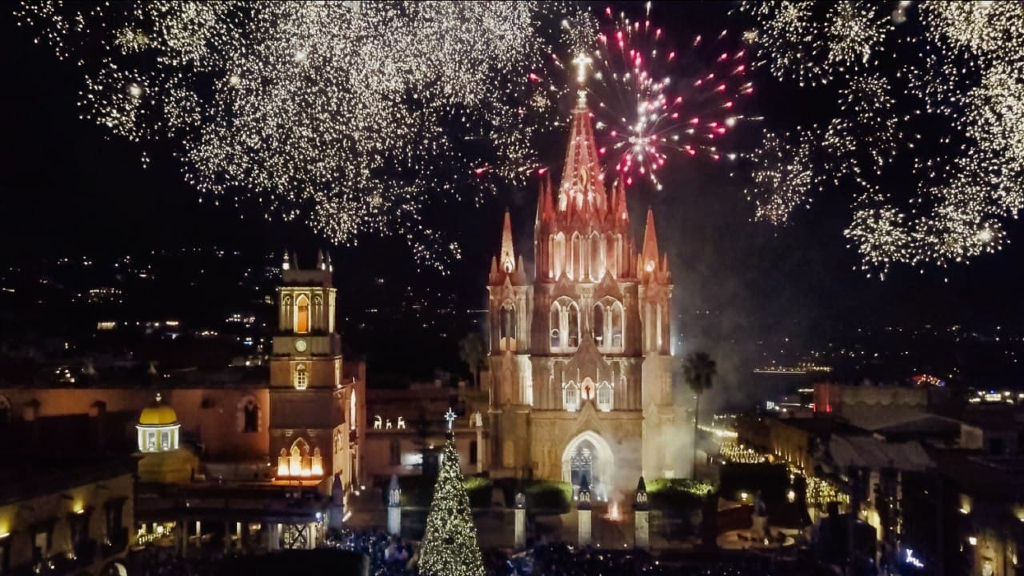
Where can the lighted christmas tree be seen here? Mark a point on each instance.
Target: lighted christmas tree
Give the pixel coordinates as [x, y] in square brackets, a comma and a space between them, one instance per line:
[449, 546]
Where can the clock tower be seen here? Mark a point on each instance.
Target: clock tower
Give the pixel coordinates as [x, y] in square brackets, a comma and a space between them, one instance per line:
[308, 430]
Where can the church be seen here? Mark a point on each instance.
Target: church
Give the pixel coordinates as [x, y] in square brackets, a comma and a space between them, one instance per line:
[580, 354]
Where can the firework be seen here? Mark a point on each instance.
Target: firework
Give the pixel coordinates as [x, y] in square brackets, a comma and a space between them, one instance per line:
[653, 101]
[347, 116]
[925, 130]
[781, 169]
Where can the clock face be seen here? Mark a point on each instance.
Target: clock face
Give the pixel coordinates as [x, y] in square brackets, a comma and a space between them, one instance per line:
[300, 345]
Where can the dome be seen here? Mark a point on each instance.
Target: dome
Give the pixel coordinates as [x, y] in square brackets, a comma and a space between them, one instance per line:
[158, 415]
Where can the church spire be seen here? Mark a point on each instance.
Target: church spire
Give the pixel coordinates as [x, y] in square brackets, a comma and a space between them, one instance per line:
[507, 259]
[649, 256]
[545, 202]
[619, 210]
[582, 188]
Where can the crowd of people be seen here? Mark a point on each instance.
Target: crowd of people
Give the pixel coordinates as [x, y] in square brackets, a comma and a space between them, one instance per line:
[158, 561]
[389, 555]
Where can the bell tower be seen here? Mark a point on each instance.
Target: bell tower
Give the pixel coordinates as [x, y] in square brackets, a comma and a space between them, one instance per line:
[308, 431]
[306, 348]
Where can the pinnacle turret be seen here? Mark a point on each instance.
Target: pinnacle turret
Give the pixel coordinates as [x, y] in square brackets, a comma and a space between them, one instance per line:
[507, 258]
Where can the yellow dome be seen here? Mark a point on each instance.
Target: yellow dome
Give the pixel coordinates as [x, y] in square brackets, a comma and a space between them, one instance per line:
[158, 415]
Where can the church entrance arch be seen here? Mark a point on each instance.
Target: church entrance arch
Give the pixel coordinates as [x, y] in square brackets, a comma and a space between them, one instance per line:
[589, 454]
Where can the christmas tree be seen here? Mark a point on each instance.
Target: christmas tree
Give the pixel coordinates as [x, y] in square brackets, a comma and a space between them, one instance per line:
[449, 546]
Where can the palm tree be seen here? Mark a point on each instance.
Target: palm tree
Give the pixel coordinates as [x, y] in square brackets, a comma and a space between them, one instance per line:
[699, 371]
[473, 352]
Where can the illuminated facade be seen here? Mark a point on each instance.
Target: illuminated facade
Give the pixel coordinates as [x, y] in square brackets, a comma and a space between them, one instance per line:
[312, 418]
[580, 356]
[163, 461]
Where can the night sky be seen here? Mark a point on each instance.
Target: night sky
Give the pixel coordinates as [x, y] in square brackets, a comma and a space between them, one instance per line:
[69, 188]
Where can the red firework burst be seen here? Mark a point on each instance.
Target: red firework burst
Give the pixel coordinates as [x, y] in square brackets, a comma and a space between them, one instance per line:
[652, 102]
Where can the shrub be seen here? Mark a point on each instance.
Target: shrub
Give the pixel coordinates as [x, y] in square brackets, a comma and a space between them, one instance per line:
[677, 493]
[548, 495]
[479, 490]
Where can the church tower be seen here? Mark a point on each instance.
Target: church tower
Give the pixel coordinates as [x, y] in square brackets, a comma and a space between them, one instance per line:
[308, 432]
[580, 353]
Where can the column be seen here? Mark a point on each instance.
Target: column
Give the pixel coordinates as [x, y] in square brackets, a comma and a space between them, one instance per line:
[520, 519]
[641, 521]
[583, 513]
[394, 507]
[183, 535]
[479, 450]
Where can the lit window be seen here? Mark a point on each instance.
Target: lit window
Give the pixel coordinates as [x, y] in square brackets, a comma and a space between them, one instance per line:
[604, 397]
[571, 397]
[596, 257]
[565, 326]
[576, 268]
[556, 322]
[573, 336]
[352, 409]
[302, 315]
[507, 327]
[301, 377]
[617, 318]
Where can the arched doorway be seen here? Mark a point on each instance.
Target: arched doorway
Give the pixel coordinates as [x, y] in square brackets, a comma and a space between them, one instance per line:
[589, 454]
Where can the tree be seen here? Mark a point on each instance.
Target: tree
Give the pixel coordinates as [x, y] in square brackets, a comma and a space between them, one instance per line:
[699, 372]
[449, 546]
[473, 352]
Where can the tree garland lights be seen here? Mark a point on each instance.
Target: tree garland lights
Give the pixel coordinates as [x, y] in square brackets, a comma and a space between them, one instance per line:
[449, 546]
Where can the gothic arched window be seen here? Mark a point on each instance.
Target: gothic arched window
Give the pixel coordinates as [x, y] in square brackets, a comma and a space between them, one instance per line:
[599, 325]
[318, 311]
[248, 418]
[616, 325]
[615, 261]
[301, 377]
[604, 397]
[576, 268]
[558, 261]
[572, 339]
[287, 313]
[352, 409]
[299, 458]
[507, 327]
[302, 314]
[596, 257]
[556, 325]
[657, 327]
[565, 325]
[571, 396]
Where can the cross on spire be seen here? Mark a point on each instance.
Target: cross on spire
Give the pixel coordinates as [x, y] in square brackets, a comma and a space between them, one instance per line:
[581, 62]
[450, 417]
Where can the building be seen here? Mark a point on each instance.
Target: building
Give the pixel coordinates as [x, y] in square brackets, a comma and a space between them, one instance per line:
[314, 412]
[244, 456]
[65, 516]
[580, 354]
[407, 429]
